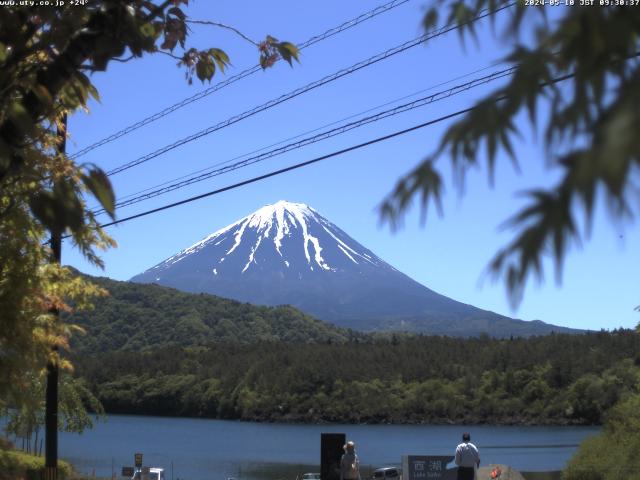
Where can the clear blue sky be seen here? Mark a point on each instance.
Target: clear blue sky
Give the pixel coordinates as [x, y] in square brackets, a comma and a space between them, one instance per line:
[599, 286]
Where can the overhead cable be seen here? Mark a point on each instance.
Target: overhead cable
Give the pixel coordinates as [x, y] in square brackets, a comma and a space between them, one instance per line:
[299, 91]
[319, 159]
[245, 73]
[287, 169]
[308, 132]
[213, 172]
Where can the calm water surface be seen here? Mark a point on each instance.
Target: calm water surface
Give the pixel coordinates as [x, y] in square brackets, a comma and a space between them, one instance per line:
[214, 449]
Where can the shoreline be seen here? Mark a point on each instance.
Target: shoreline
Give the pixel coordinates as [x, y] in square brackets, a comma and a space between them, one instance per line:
[267, 471]
[288, 419]
[239, 448]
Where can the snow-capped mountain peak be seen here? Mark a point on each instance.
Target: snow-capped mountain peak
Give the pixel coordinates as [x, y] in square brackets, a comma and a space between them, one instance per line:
[287, 253]
[282, 217]
[313, 244]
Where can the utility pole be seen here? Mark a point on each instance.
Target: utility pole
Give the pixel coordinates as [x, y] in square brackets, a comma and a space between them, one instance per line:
[51, 400]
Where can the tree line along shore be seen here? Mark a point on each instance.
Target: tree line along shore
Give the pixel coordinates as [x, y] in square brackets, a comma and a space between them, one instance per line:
[557, 379]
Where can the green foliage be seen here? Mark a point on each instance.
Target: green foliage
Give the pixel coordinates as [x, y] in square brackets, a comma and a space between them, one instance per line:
[613, 454]
[97, 182]
[589, 130]
[14, 464]
[139, 317]
[45, 55]
[271, 49]
[558, 379]
[29, 290]
[26, 419]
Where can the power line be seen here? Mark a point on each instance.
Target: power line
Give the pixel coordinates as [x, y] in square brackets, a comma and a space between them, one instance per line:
[325, 157]
[289, 139]
[212, 172]
[299, 91]
[321, 158]
[245, 73]
[288, 169]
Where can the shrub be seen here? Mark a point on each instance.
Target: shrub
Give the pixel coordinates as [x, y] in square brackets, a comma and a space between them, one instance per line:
[614, 453]
[16, 465]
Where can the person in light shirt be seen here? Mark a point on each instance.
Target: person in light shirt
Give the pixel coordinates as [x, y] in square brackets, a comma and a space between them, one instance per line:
[350, 463]
[467, 458]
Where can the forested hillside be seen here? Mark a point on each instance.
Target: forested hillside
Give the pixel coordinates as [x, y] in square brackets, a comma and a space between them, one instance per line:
[543, 380]
[138, 317]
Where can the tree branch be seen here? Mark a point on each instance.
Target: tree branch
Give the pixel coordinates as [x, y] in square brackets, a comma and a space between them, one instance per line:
[124, 60]
[222, 25]
[54, 77]
[169, 54]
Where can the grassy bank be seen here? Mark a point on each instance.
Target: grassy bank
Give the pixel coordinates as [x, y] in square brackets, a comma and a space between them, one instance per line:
[19, 465]
[15, 464]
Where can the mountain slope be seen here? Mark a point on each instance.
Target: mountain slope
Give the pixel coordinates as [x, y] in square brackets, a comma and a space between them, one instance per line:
[137, 317]
[287, 253]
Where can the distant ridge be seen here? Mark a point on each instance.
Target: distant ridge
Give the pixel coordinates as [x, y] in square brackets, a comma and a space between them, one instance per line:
[140, 317]
[287, 253]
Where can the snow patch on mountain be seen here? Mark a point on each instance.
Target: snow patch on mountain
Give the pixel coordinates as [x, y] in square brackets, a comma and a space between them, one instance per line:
[276, 223]
[252, 254]
[344, 247]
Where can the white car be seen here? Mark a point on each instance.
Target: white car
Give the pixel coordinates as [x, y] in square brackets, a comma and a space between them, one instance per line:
[154, 473]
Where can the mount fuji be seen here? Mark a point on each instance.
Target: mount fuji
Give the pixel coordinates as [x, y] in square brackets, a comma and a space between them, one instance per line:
[287, 253]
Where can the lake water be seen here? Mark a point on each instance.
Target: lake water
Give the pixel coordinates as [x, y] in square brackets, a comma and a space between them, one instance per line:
[199, 449]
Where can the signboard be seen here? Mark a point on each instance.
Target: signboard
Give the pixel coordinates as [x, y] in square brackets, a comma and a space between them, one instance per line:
[330, 453]
[427, 467]
[127, 472]
[138, 458]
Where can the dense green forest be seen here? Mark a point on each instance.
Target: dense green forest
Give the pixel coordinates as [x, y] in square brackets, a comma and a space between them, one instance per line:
[555, 379]
[139, 316]
[155, 350]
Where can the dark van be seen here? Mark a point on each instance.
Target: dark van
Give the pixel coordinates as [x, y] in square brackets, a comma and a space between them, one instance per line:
[387, 473]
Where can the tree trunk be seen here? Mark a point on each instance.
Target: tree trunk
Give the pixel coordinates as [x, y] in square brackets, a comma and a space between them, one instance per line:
[35, 442]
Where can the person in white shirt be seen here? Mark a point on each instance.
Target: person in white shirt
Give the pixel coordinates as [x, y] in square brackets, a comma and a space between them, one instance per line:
[350, 463]
[467, 458]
